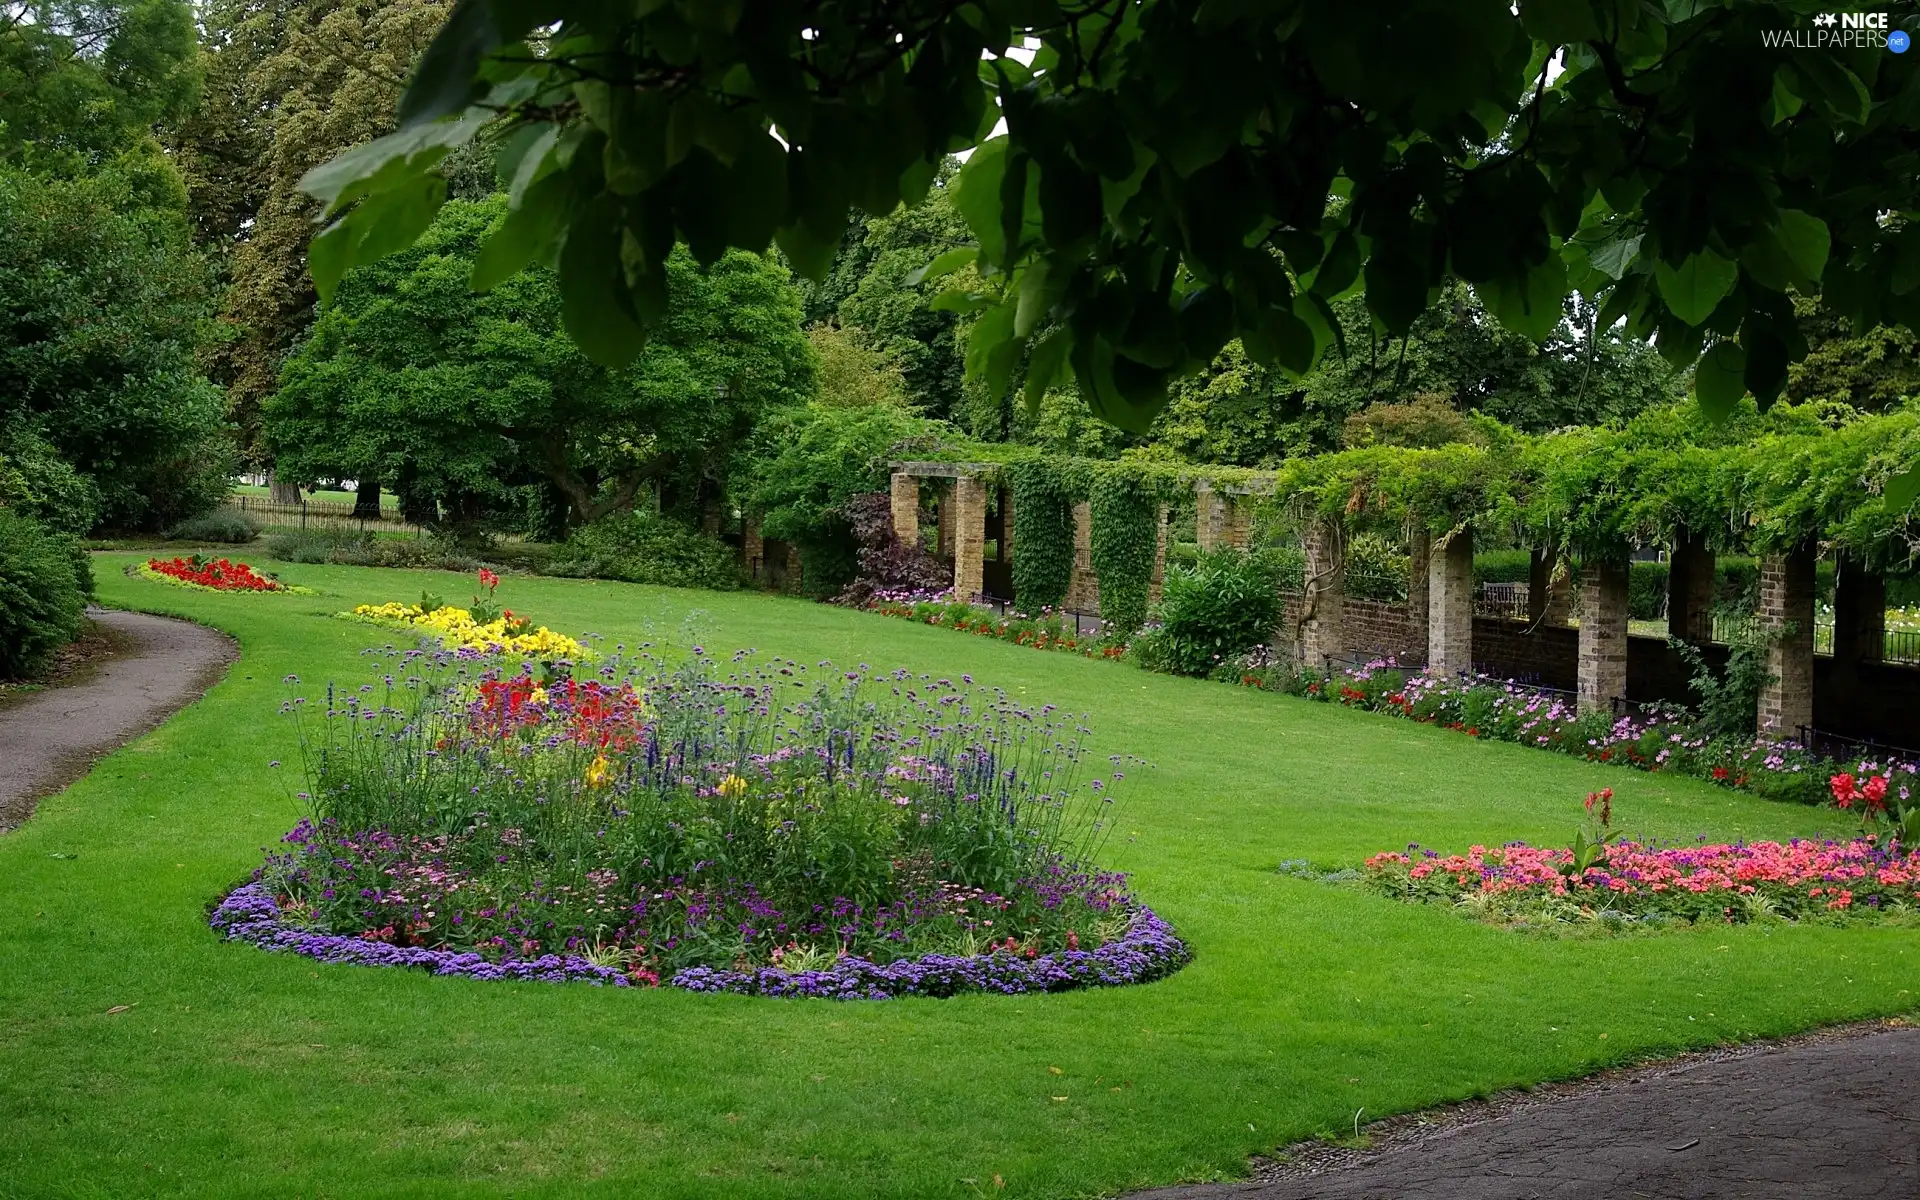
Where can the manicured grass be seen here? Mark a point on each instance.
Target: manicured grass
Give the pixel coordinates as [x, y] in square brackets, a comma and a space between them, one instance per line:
[242, 1073]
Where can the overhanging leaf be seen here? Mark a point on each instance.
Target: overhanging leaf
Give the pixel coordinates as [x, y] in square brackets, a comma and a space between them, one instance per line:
[943, 265]
[1697, 286]
[445, 81]
[1719, 379]
[1807, 242]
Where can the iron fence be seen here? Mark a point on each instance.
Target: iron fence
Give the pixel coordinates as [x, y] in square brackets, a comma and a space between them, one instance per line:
[324, 514]
[1837, 746]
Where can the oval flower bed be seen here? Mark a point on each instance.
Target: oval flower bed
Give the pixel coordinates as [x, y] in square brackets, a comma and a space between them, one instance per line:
[213, 574]
[758, 830]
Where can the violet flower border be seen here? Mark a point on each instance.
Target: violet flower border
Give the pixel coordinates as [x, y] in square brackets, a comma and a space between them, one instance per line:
[1148, 950]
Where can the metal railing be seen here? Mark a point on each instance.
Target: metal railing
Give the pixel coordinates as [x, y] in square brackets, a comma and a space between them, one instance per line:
[1835, 745]
[326, 514]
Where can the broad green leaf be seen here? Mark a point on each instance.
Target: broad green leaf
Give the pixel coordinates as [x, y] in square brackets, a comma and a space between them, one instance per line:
[1902, 490]
[529, 228]
[1035, 299]
[1340, 267]
[1615, 256]
[943, 265]
[329, 255]
[1807, 242]
[810, 255]
[1558, 22]
[1719, 379]
[1532, 305]
[594, 305]
[992, 349]
[1044, 365]
[445, 81]
[522, 154]
[385, 162]
[1766, 367]
[959, 300]
[976, 194]
[1697, 286]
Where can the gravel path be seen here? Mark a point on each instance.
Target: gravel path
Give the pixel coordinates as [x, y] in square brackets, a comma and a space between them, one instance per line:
[49, 739]
[1833, 1115]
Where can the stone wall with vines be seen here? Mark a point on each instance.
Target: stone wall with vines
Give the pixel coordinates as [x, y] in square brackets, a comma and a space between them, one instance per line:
[1042, 533]
[1126, 531]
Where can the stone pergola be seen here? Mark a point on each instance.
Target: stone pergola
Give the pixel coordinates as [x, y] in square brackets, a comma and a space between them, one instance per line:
[1439, 614]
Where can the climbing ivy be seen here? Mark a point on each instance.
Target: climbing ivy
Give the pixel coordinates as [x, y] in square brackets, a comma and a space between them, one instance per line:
[1126, 534]
[1042, 534]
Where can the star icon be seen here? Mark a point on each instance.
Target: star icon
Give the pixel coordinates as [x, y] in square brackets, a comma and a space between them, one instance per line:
[1826, 19]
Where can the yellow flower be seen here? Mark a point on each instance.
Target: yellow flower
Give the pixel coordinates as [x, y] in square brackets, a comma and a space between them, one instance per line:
[599, 771]
[732, 786]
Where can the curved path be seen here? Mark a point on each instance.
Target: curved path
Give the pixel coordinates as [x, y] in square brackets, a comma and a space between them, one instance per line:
[49, 739]
[1831, 1116]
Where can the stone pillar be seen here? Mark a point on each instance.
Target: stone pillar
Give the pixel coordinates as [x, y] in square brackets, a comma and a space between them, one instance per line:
[1158, 582]
[1786, 620]
[969, 533]
[1324, 604]
[1210, 516]
[1859, 613]
[1419, 563]
[906, 509]
[943, 532]
[1690, 589]
[1239, 524]
[1603, 633]
[1083, 591]
[752, 549]
[795, 574]
[1006, 525]
[1450, 606]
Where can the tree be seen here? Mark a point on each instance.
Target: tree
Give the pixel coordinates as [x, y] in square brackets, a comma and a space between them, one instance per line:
[103, 303]
[1176, 174]
[851, 375]
[292, 84]
[1872, 371]
[409, 376]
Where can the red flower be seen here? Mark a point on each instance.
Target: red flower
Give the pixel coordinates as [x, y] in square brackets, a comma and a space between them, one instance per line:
[1720, 773]
[1875, 792]
[1842, 788]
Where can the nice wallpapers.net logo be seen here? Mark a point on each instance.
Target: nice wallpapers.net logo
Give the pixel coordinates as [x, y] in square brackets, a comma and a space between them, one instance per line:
[1842, 31]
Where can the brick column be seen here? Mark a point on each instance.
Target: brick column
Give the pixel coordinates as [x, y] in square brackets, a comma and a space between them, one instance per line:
[1603, 633]
[1786, 618]
[1859, 613]
[1083, 590]
[1157, 583]
[1450, 606]
[906, 508]
[752, 549]
[1324, 604]
[795, 575]
[969, 533]
[1690, 589]
[1239, 524]
[1210, 516]
[943, 530]
[1419, 563]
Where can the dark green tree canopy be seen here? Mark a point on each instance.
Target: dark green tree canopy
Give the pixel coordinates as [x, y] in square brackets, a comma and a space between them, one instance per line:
[1178, 173]
[408, 375]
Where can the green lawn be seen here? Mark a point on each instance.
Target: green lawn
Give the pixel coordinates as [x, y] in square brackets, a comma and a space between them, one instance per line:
[241, 1073]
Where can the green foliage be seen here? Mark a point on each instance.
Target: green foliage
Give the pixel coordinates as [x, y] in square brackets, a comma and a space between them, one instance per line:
[37, 482]
[852, 375]
[1730, 699]
[1043, 535]
[1872, 371]
[1376, 568]
[805, 463]
[105, 307]
[645, 547]
[1425, 421]
[220, 525]
[1170, 178]
[352, 547]
[1126, 529]
[409, 375]
[1225, 604]
[42, 597]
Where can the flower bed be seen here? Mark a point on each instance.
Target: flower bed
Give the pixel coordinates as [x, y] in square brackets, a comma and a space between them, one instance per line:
[458, 628]
[1737, 883]
[1049, 630]
[750, 829]
[212, 574]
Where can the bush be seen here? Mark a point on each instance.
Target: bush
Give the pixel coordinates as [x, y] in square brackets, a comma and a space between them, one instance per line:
[1502, 566]
[1226, 604]
[1376, 569]
[645, 547]
[221, 525]
[1647, 590]
[42, 595]
[887, 563]
[352, 548]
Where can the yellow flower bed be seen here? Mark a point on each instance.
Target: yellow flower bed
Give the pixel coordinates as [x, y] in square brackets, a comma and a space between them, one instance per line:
[456, 628]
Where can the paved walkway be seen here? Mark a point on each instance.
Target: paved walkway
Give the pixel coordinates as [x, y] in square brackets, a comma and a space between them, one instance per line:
[1829, 1117]
[49, 739]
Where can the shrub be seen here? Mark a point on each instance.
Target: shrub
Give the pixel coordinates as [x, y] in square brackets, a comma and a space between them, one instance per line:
[42, 596]
[645, 547]
[1730, 701]
[1376, 569]
[1224, 605]
[351, 547]
[221, 525]
[1647, 590]
[886, 563]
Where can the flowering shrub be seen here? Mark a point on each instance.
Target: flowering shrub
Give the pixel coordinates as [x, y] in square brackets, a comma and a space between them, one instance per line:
[218, 574]
[459, 628]
[750, 829]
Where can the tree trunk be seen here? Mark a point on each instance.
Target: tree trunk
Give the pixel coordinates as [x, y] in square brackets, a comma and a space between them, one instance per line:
[281, 491]
[366, 499]
[417, 504]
